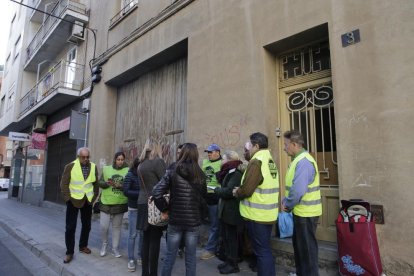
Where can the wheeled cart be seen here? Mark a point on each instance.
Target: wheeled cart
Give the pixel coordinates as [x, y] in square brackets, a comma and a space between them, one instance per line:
[358, 252]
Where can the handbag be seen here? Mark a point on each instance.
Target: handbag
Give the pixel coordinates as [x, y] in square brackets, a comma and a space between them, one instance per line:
[154, 214]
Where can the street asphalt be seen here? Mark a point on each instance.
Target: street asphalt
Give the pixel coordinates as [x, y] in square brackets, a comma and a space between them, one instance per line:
[40, 231]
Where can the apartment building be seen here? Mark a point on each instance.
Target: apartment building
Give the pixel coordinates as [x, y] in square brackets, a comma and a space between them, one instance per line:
[209, 71]
[43, 85]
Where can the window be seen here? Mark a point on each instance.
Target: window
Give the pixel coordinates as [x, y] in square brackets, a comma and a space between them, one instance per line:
[17, 47]
[127, 5]
[11, 24]
[2, 106]
[6, 64]
[10, 100]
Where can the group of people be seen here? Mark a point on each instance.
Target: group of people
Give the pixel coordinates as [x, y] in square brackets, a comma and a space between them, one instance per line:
[236, 198]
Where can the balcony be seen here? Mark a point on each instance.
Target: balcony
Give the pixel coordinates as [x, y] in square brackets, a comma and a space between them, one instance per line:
[54, 33]
[40, 5]
[60, 86]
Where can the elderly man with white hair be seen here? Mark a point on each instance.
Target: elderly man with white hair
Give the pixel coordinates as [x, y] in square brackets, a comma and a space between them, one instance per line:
[79, 186]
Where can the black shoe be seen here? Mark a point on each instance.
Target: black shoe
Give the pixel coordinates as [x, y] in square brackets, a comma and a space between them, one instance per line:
[229, 269]
[253, 266]
[221, 266]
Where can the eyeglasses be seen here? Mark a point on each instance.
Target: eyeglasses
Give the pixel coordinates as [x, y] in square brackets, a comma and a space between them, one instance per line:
[84, 157]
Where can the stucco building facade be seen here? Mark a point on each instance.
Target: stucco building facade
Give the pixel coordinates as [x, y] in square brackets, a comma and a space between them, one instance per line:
[338, 71]
[207, 71]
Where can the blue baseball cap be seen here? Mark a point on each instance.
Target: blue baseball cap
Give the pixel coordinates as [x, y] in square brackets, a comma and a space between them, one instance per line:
[212, 147]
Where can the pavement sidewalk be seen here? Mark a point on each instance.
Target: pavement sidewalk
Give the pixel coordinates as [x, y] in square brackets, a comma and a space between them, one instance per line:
[42, 229]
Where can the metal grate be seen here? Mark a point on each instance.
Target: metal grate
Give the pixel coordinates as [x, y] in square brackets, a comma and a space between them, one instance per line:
[311, 112]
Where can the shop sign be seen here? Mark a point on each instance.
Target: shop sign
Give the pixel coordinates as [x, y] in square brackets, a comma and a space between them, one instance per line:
[39, 141]
[18, 136]
[58, 127]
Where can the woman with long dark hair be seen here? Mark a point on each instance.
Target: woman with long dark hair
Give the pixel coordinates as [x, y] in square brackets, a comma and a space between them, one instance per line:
[186, 184]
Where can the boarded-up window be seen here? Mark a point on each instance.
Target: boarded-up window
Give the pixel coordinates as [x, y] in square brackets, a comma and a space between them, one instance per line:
[154, 105]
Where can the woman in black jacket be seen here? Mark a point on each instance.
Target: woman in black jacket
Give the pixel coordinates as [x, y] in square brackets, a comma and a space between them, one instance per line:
[186, 184]
[229, 177]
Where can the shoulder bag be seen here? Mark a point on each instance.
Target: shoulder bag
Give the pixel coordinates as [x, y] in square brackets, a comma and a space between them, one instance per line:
[154, 214]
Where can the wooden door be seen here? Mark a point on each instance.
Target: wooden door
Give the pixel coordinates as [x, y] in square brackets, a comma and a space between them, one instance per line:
[307, 105]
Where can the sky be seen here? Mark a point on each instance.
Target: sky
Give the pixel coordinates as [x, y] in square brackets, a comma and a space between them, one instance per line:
[6, 9]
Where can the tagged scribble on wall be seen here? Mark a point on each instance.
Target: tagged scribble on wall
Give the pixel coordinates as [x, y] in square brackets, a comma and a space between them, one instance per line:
[229, 136]
[133, 148]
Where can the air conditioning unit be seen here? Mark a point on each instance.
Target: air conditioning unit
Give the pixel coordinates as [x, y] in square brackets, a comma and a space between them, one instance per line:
[77, 34]
[39, 125]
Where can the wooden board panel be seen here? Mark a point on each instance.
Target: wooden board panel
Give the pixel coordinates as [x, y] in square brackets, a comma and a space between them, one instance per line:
[152, 106]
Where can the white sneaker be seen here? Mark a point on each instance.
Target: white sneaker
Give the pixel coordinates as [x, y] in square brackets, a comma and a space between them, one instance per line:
[139, 261]
[131, 266]
[103, 249]
[292, 274]
[116, 253]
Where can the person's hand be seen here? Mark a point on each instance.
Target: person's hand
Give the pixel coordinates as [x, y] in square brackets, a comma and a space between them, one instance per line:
[235, 191]
[164, 215]
[284, 208]
[110, 182]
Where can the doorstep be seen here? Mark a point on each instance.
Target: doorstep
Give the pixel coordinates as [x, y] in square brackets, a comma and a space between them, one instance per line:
[328, 253]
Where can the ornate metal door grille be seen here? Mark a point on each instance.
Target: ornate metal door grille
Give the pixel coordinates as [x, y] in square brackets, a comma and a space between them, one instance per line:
[311, 111]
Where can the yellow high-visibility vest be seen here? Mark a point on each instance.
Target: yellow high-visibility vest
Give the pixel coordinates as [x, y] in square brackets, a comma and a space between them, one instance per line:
[210, 168]
[310, 204]
[78, 186]
[111, 195]
[263, 205]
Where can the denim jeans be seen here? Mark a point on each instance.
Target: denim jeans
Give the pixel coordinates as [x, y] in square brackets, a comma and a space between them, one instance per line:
[213, 233]
[134, 234]
[174, 235]
[305, 246]
[260, 237]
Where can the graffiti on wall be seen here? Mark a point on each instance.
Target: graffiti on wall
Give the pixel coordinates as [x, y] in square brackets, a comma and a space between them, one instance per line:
[229, 136]
[133, 148]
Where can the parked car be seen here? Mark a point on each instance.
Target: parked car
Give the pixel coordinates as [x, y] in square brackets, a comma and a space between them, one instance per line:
[4, 183]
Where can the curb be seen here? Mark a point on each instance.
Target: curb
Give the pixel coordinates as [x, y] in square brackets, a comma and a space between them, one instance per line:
[54, 262]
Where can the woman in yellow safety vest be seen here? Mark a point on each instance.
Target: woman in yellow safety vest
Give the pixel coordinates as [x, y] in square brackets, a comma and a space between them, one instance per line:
[113, 202]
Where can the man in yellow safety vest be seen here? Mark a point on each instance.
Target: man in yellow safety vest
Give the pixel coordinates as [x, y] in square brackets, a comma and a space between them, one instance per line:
[79, 190]
[303, 198]
[259, 201]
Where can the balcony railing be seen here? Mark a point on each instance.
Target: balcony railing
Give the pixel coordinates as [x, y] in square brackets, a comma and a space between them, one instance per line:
[64, 75]
[50, 22]
[129, 7]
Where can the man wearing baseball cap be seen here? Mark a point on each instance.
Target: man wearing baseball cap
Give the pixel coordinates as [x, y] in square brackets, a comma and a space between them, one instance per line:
[210, 167]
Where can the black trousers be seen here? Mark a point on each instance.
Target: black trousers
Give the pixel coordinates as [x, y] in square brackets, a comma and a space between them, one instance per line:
[231, 237]
[151, 250]
[305, 245]
[71, 220]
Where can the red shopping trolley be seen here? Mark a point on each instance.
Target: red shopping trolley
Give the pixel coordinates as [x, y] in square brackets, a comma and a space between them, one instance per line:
[358, 252]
